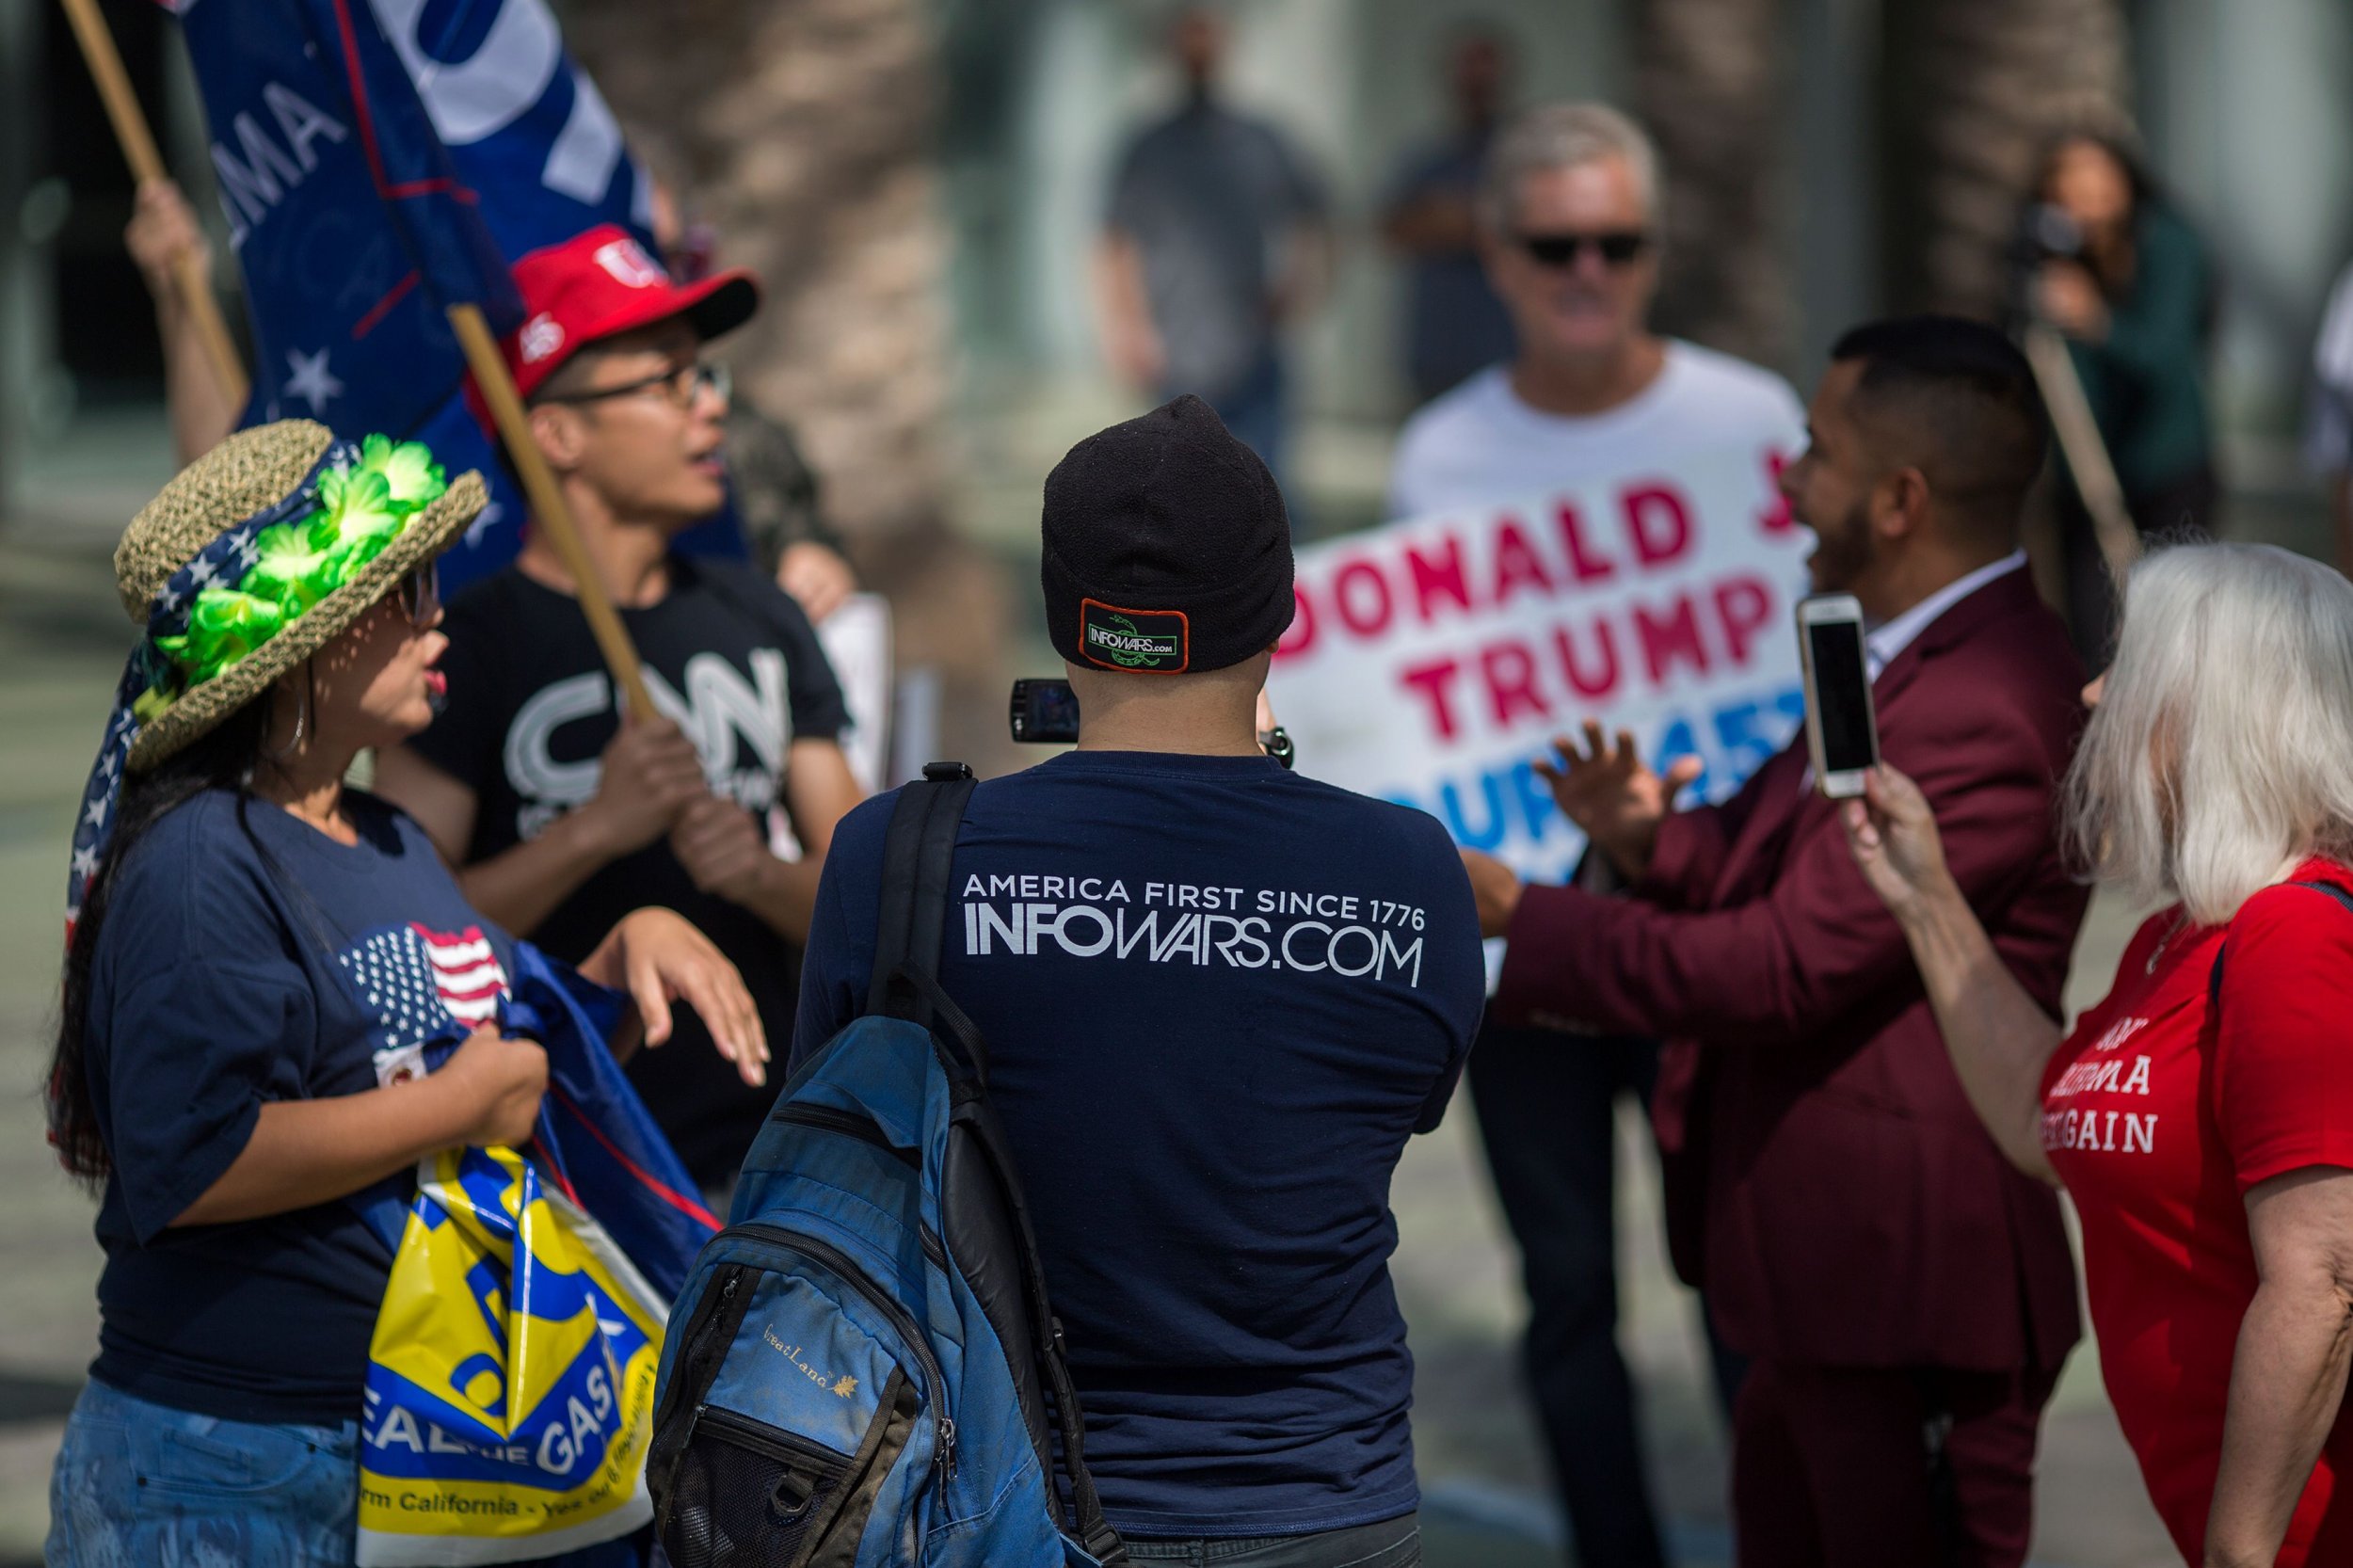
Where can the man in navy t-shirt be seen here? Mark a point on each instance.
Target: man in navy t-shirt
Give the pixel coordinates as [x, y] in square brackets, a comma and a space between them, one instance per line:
[1218, 997]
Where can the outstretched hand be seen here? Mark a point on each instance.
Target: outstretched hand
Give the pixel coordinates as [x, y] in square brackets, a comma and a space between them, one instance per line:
[661, 958]
[1612, 795]
[1893, 836]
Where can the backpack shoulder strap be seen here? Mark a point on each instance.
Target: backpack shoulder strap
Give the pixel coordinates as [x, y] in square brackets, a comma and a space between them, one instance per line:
[918, 850]
[2213, 977]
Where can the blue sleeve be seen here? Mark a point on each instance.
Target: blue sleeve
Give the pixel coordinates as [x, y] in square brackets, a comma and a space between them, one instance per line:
[1460, 968]
[197, 1019]
[839, 957]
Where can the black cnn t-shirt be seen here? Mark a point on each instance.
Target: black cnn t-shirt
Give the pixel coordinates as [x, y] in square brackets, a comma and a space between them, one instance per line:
[732, 659]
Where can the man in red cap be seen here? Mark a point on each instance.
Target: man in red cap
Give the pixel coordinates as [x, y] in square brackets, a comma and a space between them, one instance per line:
[557, 808]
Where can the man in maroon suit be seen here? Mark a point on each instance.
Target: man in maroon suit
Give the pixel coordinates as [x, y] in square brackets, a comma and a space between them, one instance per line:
[1907, 1297]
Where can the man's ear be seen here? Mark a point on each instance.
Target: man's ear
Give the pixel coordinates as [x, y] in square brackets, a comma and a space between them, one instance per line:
[1899, 503]
[562, 436]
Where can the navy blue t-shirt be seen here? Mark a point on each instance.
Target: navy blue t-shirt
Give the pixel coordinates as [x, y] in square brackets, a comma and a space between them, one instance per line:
[1217, 998]
[248, 957]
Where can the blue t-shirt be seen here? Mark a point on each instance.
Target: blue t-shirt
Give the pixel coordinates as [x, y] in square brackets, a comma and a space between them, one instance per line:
[248, 957]
[1217, 998]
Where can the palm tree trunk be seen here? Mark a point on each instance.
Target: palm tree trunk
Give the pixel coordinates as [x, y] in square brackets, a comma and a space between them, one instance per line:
[1972, 90]
[801, 130]
[1709, 79]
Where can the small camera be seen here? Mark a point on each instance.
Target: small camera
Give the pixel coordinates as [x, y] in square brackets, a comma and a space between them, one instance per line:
[1046, 712]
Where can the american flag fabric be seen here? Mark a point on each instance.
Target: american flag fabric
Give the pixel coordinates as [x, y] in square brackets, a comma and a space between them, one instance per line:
[415, 981]
[377, 160]
[225, 561]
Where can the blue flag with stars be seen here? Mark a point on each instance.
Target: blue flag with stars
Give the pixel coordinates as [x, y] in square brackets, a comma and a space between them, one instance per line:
[378, 160]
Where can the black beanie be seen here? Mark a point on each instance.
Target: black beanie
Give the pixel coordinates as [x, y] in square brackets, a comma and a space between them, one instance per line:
[1166, 547]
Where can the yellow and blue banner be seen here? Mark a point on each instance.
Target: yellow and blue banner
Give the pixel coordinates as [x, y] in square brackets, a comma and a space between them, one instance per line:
[511, 1378]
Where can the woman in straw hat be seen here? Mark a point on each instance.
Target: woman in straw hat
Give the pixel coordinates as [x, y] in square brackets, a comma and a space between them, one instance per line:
[256, 954]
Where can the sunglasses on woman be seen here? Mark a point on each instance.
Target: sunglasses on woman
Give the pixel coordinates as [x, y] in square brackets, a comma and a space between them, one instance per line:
[1618, 247]
[420, 594]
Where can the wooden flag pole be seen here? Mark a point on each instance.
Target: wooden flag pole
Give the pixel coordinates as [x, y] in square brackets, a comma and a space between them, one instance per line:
[2086, 453]
[139, 150]
[548, 510]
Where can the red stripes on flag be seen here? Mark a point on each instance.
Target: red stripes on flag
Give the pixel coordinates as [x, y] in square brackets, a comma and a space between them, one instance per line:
[465, 971]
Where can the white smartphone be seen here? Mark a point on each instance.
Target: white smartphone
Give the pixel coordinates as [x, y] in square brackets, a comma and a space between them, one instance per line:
[1842, 732]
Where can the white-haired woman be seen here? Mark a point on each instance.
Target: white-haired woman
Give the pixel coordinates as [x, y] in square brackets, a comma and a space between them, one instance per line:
[2201, 1116]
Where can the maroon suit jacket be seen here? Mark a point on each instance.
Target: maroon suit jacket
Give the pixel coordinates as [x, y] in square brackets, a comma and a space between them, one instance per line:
[1825, 1180]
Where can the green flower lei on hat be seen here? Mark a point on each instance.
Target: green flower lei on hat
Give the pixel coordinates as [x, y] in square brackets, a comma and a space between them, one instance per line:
[361, 507]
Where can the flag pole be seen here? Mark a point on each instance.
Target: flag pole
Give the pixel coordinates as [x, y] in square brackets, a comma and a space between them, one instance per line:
[138, 151]
[548, 510]
[2086, 453]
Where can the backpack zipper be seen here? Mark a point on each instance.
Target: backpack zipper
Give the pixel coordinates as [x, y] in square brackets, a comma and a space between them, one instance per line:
[847, 1123]
[849, 1271]
[687, 1371]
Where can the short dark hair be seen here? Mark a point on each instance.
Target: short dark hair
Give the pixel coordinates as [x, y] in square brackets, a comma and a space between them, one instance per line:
[571, 379]
[1957, 400]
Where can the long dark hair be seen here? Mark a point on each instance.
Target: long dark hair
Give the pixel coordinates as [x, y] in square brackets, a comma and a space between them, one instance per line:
[226, 758]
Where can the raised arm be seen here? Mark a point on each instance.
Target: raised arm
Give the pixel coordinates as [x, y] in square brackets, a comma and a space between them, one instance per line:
[1999, 1037]
[162, 231]
[1785, 966]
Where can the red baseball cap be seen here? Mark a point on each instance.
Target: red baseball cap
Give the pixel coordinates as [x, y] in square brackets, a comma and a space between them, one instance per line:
[602, 283]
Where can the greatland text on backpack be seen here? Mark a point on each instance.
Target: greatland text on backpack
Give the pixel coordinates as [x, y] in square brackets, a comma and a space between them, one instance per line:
[863, 1367]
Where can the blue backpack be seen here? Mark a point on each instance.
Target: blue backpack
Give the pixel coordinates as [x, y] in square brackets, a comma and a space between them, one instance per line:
[862, 1368]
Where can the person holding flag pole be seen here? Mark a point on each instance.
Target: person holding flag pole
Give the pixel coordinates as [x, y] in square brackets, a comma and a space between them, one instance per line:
[561, 811]
[326, 148]
[376, 203]
[186, 296]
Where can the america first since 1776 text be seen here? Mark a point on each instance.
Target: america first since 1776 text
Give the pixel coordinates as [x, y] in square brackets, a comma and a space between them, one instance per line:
[1352, 935]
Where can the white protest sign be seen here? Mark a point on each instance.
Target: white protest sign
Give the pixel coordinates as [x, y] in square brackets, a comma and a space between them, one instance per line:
[1431, 660]
[856, 640]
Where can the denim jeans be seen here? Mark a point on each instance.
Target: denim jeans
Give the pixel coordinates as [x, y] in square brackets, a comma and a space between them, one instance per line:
[1391, 1544]
[140, 1484]
[1548, 1114]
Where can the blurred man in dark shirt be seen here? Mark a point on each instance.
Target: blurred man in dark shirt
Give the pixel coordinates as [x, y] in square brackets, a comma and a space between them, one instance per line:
[1454, 323]
[1215, 242]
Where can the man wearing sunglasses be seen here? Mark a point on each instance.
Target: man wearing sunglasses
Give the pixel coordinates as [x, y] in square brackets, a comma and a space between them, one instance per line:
[1568, 228]
[557, 809]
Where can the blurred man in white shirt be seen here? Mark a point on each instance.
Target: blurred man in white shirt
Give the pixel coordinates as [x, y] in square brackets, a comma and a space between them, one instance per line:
[1569, 231]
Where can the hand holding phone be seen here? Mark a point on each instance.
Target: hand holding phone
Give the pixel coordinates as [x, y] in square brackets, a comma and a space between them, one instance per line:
[1841, 725]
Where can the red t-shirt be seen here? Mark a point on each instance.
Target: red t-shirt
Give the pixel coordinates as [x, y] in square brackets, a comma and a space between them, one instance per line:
[2159, 1113]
